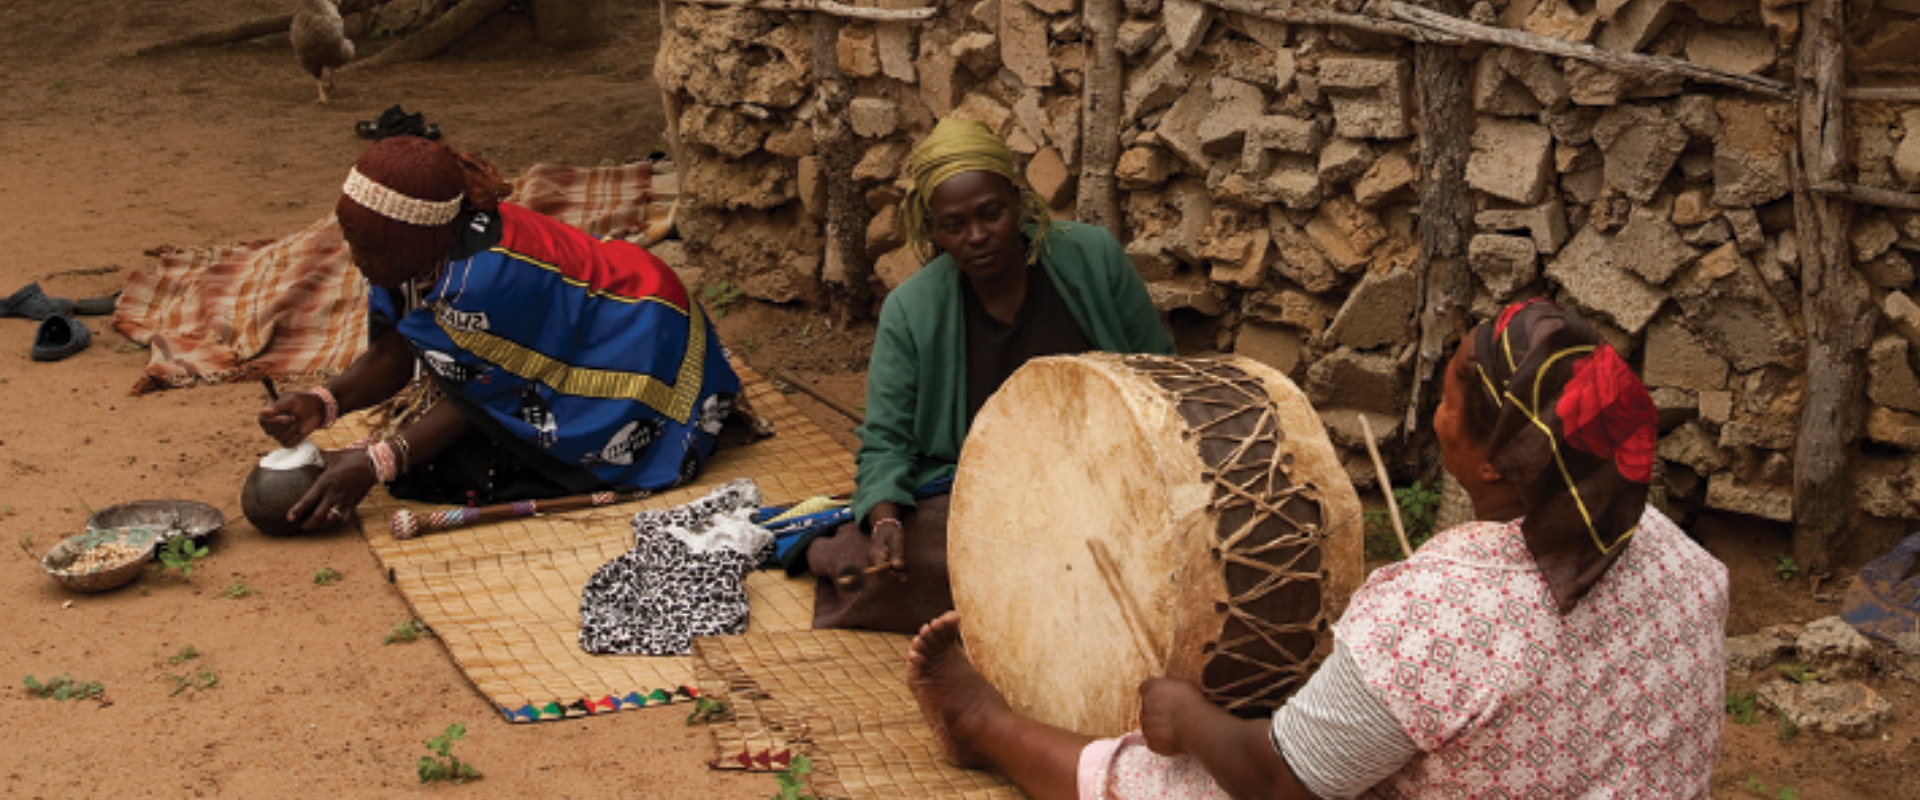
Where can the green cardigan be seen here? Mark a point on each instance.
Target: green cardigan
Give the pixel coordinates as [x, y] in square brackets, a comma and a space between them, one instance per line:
[916, 381]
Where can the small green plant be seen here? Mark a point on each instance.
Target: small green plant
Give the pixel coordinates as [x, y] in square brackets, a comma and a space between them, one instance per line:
[186, 654]
[236, 590]
[706, 709]
[26, 545]
[749, 344]
[1741, 706]
[1788, 728]
[381, 31]
[199, 681]
[1419, 512]
[806, 335]
[1754, 785]
[408, 631]
[1799, 673]
[443, 765]
[64, 688]
[719, 296]
[793, 780]
[326, 576]
[179, 555]
[1786, 567]
[1787, 793]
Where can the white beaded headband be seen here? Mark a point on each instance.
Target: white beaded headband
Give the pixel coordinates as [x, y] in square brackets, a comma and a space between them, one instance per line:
[399, 207]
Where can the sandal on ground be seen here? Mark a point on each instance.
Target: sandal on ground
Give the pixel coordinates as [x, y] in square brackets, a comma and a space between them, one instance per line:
[96, 306]
[60, 336]
[32, 303]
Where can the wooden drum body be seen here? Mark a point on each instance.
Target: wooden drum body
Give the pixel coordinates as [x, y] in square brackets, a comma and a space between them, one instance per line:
[1228, 515]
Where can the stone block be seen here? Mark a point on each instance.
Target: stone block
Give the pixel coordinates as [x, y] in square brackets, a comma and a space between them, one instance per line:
[1906, 157]
[1879, 487]
[1142, 8]
[936, 67]
[1345, 378]
[1192, 293]
[1151, 259]
[1903, 315]
[1300, 260]
[1767, 433]
[1192, 208]
[1371, 97]
[1023, 42]
[894, 41]
[1389, 179]
[1267, 135]
[1587, 270]
[881, 162]
[732, 134]
[1742, 51]
[1640, 145]
[1891, 270]
[1138, 36]
[1890, 377]
[1496, 93]
[1692, 207]
[1650, 246]
[1504, 264]
[896, 267]
[1342, 160]
[1575, 158]
[1343, 428]
[810, 187]
[1755, 652]
[884, 232]
[1675, 406]
[1240, 259]
[1236, 106]
[1693, 446]
[1678, 358]
[979, 52]
[1291, 307]
[1056, 7]
[1558, 19]
[1729, 305]
[1746, 229]
[1179, 129]
[1841, 709]
[987, 13]
[1347, 233]
[858, 51]
[1545, 223]
[1750, 155]
[1711, 234]
[1511, 160]
[1286, 67]
[1144, 167]
[1293, 181]
[1047, 173]
[1158, 84]
[1872, 235]
[983, 108]
[1379, 311]
[1897, 428]
[1585, 187]
[1032, 118]
[1716, 407]
[1697, 114]
[873, 117]
[1635, 25]
[1726, 493]
[1187, 22]
[1276, 346]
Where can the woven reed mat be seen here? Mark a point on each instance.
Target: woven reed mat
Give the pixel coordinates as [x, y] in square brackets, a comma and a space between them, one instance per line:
[505, 597]
[841, 699]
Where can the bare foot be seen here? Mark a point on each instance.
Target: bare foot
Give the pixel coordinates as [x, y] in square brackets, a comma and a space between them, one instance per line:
[956, 700]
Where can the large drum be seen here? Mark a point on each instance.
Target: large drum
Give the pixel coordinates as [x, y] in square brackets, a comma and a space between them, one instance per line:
[1211, 482]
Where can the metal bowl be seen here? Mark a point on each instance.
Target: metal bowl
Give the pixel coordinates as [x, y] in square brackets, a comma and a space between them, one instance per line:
[165, 518]
[137, 545]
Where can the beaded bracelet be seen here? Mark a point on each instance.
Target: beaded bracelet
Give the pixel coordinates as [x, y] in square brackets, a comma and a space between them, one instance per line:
[384, 467]
[875, 525]
[403, 449]
[332, 405]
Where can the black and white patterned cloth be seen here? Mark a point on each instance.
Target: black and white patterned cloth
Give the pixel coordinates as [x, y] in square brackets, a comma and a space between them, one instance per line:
[684, 577]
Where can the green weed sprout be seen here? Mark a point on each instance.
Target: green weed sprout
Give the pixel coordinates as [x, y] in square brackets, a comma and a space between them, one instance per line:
[443, 765]
[64, 688]
[1419, 512]
[793, 780]
[408, 631]
[237, 590]
[706, 709]
[1741, 707]
[179, 555]
[1786, 567]
[186, 654]
[198, 681]
[719, 296]
[326, 576]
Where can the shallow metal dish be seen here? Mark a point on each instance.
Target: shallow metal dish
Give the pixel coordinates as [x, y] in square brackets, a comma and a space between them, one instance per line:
[59, 562]
[166, 518]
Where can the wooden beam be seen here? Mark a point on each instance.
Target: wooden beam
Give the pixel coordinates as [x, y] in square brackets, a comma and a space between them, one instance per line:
[1890, 94]
[1445, 286]
[1868, 195]
[831, 8]
[1098, 199]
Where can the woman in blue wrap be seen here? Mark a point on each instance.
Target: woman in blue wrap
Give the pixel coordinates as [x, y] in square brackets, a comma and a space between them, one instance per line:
[559, 364]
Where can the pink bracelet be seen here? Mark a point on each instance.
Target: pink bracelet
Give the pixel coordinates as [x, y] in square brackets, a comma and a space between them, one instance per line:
[332, 405]
[384, 466]
[875, 525]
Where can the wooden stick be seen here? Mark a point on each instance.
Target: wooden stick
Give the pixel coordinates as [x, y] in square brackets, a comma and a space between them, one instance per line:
[1890, 94]
[1631, 63]
[1386, 487]
[1869, 195]
[406, 524]
[251, 29]
[1129, 609]
[830, 7]
[845, 410]
[853, 579]
[1320, 16]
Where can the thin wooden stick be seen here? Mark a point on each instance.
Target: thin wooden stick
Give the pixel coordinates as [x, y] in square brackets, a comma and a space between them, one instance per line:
[853, 579]
[829, 7]
[1890, 94]
[1386, 487]
[1321, 16]
[1869, 195]
[845, 410]
[1129, 609]
[405, 524]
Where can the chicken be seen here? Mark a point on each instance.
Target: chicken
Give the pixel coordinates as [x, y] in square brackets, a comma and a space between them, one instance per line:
[320, 40]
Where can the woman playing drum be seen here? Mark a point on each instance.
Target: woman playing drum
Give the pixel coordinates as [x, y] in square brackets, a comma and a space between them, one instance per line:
[1570, 641]
[1007, 285]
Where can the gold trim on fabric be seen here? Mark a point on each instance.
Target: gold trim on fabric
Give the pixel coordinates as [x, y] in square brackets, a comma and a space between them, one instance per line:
[675, 401]
[580, 284]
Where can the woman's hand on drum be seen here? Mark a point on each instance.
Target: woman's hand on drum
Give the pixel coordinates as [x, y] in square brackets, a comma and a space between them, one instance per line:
[1165, 704]
[346, 481]
[292, 417]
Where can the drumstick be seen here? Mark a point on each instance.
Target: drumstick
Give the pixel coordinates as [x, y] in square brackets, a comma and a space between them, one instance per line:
[1386, 487]
[853, 579]
[406, 524]
[1129, 610]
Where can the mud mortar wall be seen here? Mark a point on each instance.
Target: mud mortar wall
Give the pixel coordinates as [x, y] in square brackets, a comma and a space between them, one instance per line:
[1268, 176]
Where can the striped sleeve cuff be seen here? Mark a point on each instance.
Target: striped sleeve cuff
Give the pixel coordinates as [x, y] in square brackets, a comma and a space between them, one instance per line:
[1337, 735]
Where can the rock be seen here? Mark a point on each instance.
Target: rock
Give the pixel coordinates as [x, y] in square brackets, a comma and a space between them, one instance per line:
[1371, 97]
[896, 267]
[982, 107]
[1693, 207]
[1239, 258]
[1906, 157]
[979, 52]
[1360, 381]
[1729, 305]
[1388, 180]
[1691, 445]
[858, 52]
[884, 233]
[1137, 36]
[1588, 271]
[1675, 357]
[1236, 106]
[1650, 246]
[1063, 129]
[1755, 652]
[1675, 407]
[1496, 93]
[1504, 264]
[1750, 156]
[1844, 709]
[1879, 486]
[1276, 346]
[936, 68]
[1346, 233]
[1342, 160]
[1545, 223]
[1726, 493]
[793, 141]
[873, 117]
[1559, 20]
[1193, 292]
[1716, 407]
[1187, 22]
[1890, 376]
[1634, 25]
[1697, 114]
[1286, 67]
[1575, 157]
[1179, 128]
[1300, 261]
[895, 42]
[1511, 160]
[1157, 85]
[1143, 8]
[1192, 208]
[1289, 307]
[1872, 235]
[1894, 428]
[1144, 168]
[1891, 270]
[1712, 233]
[731, 134]
[987, 13]
[1270, 134]
[1745, 51]
[1379, 311]
[1903, 315]
[1294, 182]
[1641, 145]
[1151, 259]
[1766, 433]
[1343, 427]
[881, 162]
[1746, 229]
[1023, 42]
[1047, 173]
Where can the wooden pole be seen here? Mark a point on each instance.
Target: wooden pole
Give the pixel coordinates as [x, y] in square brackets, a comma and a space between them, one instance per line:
[1098, 200]
[1868, 195]
[830, 8]
[843, 225]
[1386, 487]
[1446, 212]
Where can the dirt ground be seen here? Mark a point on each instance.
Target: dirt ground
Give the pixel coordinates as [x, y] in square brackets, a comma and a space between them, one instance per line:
[102, 157]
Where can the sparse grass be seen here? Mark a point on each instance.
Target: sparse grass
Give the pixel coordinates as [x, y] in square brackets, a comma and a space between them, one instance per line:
[1419, 512]
[720, 295]
[1742, 707]
[443, 765]
[793, 780]
[1786, 567]
[179, 555]
[199, 681]
[326, 576]
[64, 688]
[237, 590]
[1788, 729]
[408, 631]
[1800, 673]
[185, 654]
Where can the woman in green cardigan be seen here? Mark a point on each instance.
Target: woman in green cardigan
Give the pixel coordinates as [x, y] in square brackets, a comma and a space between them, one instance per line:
[1005, 284]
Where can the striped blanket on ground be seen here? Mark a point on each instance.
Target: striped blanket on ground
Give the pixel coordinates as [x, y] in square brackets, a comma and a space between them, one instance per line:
[297, 308]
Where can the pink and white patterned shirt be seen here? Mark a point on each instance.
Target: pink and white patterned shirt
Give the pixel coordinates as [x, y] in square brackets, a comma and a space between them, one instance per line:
[1622, 697]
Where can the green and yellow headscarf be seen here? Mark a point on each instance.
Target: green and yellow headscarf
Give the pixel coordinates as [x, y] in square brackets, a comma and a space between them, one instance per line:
[963, 145]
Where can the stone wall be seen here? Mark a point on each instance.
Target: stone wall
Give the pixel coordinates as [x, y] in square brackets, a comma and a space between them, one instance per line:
[1268, 178]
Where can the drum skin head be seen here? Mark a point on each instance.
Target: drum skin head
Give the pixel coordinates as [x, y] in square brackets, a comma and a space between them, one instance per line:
[1090, 447]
